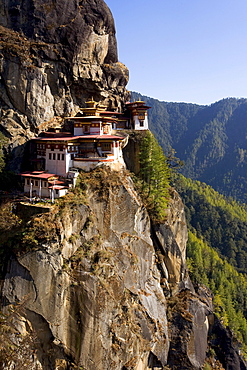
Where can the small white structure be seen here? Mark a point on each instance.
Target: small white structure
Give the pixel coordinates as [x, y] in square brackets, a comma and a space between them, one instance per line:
[139, 115]
[73, 174]
[55, 154]
[40, 184]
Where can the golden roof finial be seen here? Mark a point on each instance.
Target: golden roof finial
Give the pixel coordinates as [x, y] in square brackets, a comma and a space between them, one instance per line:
[91, 103]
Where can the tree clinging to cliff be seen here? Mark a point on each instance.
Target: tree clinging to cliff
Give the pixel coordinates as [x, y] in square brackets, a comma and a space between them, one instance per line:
[155, 175]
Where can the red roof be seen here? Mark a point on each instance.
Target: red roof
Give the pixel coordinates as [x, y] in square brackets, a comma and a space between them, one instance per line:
[58, 187]
[139, 107]
[95, 118]
[55, 134]
[84, 137]
[136, 104]
[104, 137]
[68, 138]
[38, 174]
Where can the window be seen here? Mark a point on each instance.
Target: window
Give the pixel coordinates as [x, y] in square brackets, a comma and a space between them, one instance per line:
[62, 157]
[49, 155]
[36, 183]
[54, 156]
[106, 146]
[141, 123]
[58, 156]
[28, 182]
[44, 184]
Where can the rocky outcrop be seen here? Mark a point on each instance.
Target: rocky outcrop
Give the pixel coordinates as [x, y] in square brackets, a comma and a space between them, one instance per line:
[226, 349]
[54, 56]
[98, 288]
[170, 240]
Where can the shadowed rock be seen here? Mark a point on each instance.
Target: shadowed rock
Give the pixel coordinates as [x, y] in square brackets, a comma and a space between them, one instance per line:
[55, 55]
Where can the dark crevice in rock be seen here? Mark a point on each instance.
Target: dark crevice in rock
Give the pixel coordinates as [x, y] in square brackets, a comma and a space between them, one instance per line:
[153, 362]
[46, 350]
[227, 348]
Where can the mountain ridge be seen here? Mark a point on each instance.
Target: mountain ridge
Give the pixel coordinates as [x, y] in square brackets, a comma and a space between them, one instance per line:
[210, 140]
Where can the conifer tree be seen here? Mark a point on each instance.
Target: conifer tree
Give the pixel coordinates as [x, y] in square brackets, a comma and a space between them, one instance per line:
[155, 175]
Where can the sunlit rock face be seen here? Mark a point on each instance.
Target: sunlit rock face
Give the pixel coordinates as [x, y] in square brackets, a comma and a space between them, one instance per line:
[55, 55]
[107, 290]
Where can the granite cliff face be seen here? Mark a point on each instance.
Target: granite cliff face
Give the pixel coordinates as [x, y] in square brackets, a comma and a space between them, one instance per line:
[102, 289]
[92, 282]
[54, 56]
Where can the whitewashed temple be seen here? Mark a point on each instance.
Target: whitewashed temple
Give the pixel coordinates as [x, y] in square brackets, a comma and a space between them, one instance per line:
[97, 138]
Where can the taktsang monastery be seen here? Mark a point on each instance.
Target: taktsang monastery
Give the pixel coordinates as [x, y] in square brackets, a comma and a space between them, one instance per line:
[96, 139]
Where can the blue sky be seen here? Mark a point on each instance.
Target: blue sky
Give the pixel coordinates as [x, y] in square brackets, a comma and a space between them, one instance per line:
[190, 51]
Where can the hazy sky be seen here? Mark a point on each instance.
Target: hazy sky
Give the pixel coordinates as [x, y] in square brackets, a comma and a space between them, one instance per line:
[192, 51]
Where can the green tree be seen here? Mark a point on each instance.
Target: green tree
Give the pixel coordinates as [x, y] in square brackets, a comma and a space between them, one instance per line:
[221, 221]
[229, 286]
[154, 175]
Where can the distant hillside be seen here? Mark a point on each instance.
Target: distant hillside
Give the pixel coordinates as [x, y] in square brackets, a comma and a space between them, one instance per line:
[211, 140]
[217, 250]
[220, 221]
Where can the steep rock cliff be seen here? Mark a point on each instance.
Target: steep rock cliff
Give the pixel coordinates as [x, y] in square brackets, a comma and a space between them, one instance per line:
[102, 290]
[54, 56]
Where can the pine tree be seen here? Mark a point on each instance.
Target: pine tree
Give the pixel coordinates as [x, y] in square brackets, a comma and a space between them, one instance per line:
[155, 175]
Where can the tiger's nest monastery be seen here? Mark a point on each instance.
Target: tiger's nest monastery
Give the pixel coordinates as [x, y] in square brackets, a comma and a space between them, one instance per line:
[96, 138]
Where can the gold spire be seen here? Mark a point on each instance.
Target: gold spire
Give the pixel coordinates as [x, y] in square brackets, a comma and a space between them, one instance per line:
[91, 103]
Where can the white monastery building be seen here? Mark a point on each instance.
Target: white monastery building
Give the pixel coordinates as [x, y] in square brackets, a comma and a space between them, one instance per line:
[56, 157]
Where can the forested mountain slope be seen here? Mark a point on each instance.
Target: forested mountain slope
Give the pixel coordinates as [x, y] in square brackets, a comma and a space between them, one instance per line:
[222, 222]
[211, 140]
[216, 249]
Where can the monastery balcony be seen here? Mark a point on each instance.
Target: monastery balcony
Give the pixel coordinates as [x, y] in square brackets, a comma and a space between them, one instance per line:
[87, 147]
[93, 157]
